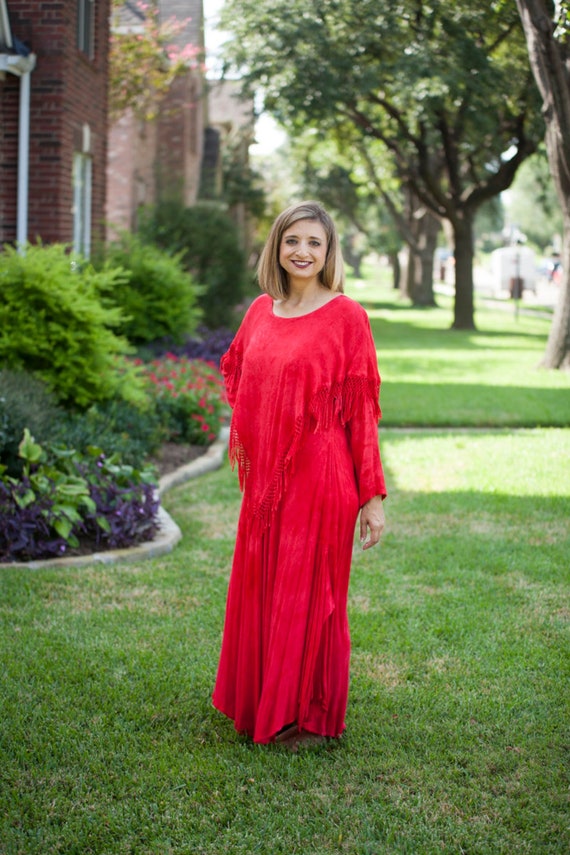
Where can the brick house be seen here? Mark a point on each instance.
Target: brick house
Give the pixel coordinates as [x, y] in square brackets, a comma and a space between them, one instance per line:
[152, 160]
[56, 55]
[177, 155]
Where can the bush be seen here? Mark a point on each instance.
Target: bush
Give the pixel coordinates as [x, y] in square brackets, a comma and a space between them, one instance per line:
[208, 241]
[207, 345]
[158, 298]
[56, 327]
[25, 401]
[115, 426]
[64, 499]
[189, 396]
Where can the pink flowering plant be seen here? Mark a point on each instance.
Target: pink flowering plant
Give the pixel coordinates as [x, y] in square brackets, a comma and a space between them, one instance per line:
[189, 396]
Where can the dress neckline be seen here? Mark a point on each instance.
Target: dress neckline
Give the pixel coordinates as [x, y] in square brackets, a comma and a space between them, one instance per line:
[307, 314]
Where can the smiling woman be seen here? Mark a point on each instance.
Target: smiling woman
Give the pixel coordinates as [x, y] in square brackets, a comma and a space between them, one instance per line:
[302, 377]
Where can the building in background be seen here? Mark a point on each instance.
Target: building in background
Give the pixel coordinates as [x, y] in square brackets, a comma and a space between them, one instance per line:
[229, 134]
[66, 174]
[53, 121]
[161, 158]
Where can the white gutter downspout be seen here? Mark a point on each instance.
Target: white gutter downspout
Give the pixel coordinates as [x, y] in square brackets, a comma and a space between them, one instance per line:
[22, 67]
[23, 161]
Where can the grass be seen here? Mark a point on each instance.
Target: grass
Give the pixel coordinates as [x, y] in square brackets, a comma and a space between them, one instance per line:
[457, 728]
[436, 376]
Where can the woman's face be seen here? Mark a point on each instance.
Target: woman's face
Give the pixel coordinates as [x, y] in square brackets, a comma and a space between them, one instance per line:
[303, 250]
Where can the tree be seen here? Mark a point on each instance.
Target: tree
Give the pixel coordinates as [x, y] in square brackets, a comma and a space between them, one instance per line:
[533, 204]
[547, 30]
[144, 61]
[445, 87]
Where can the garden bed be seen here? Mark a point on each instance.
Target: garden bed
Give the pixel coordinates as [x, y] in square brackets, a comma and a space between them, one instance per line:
[172, 455]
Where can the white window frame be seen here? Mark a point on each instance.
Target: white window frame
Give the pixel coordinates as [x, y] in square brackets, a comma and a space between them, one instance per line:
[86, 27]
[82, 180]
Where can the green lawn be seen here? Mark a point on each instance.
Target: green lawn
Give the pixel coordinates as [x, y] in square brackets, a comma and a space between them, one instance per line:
[436, 376]
[458, 722]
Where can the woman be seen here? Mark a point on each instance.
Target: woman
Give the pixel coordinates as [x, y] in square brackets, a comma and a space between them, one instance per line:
[302, 378]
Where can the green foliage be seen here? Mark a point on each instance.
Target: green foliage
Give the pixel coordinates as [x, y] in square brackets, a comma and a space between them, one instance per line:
[63, 495]
[207, 239]
[489, 224]
[56, 326]
[189, 397]
[143, 64]
[117, 426]
[533, 204]
[68, 490]
[242, 184]
[158, 297]
[438, 91]
[25, 401]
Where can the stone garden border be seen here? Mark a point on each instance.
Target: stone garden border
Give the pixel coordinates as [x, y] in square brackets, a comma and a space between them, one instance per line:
[168, 534]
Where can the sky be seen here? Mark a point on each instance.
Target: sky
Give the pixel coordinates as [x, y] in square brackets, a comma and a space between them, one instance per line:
[267, 134]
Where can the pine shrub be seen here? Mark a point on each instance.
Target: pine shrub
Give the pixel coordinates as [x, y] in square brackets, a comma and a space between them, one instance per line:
[58, 325]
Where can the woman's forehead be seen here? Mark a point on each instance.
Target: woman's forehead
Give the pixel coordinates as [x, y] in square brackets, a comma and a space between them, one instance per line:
[306, 228]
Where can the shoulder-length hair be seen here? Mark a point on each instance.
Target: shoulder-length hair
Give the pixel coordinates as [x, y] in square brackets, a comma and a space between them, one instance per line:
[272, 278]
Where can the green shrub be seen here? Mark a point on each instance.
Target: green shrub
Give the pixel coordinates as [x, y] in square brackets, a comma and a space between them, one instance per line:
[55, 325]
[25, 401]
[116, 426]
[207, 239]
[158, 298]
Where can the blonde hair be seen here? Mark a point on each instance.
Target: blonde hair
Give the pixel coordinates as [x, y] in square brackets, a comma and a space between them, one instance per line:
[272, 278]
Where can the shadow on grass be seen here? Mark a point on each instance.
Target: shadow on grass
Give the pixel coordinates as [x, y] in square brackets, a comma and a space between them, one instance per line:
[455, 404]
[389, 334]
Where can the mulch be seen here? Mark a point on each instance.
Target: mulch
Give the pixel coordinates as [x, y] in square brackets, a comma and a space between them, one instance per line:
[172, 455]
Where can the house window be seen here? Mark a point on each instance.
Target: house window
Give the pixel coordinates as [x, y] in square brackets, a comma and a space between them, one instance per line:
[82, 203]
[85, 19]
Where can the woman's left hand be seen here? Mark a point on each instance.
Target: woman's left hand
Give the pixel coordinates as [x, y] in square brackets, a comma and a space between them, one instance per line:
[372, 519]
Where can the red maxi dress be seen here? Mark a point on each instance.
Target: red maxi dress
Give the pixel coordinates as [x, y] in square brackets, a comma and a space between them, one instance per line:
[304, 434]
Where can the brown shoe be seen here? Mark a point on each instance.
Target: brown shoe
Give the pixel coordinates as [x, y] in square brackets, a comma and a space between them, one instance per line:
[287, 732]
[303, 737]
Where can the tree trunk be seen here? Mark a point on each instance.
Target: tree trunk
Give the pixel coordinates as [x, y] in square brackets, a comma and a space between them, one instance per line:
[421, 283]
[407, 283]
[550, 63]
[464, 313]
[557, 353]
[396, 269]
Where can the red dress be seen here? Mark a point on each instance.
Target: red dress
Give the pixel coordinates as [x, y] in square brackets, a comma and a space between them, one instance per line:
[304, 434]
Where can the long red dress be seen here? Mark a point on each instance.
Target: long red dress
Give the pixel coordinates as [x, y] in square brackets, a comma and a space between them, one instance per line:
[304, 434]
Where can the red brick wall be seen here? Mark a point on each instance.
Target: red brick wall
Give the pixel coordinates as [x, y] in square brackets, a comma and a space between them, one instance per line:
[68, 90]
[9, 101]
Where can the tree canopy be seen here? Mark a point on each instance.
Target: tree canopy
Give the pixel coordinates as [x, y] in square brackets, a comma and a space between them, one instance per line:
[444, 87]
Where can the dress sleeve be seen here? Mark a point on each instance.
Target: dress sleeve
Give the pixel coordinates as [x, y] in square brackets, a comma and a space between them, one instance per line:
[232, 360]
[230, 366]
[363, 426]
